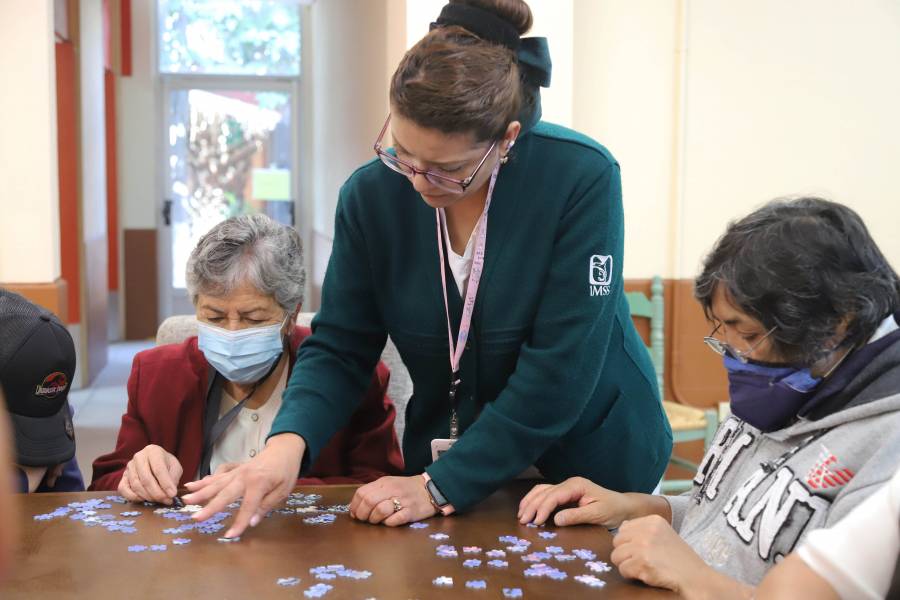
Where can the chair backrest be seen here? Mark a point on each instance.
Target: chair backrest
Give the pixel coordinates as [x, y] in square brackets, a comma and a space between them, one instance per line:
[178, 328]
[653, 309]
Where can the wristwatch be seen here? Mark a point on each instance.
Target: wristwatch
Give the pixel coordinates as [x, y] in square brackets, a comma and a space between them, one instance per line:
[438, 501]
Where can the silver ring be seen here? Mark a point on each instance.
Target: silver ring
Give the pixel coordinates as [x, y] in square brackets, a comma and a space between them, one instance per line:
[397, 506]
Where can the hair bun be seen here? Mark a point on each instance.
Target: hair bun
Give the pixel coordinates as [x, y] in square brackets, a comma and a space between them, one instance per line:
[515, 12]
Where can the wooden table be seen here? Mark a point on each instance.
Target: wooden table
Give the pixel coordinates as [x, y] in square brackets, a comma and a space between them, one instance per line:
[62, 558]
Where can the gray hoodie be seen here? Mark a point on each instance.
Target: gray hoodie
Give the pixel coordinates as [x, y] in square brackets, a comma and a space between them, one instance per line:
[757, 494]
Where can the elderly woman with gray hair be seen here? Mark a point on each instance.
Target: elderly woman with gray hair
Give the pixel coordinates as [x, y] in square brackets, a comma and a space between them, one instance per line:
[207, 404]
[804, 310]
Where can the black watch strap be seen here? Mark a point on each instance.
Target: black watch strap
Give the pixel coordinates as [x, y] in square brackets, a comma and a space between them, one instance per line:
[436, 496]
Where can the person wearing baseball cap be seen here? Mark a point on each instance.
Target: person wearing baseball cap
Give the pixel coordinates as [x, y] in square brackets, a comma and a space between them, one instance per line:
[9, 505]
[37, 364]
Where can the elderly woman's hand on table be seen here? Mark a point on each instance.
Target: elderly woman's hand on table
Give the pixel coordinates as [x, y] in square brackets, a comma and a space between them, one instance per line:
[650, 550]
[646, 547]
[593, 504]
[266, 480]
[152, 475]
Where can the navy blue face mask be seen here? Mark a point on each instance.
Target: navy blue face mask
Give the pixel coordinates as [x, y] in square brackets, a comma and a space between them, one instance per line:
[768, 396]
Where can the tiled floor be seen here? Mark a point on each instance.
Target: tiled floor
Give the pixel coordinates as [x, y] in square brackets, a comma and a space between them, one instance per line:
[99, 407]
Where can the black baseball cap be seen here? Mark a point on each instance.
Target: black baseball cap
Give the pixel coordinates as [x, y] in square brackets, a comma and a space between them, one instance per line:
[37, 364]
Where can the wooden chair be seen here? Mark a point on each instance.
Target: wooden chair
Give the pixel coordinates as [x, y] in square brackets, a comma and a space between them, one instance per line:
[688, 423]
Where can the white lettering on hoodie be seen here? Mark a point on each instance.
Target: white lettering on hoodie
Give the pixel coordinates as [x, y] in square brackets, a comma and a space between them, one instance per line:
[721, 455]
[772, 510]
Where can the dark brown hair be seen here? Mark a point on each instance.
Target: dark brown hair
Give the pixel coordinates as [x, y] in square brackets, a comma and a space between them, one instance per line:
[803, 266]
[456, 82]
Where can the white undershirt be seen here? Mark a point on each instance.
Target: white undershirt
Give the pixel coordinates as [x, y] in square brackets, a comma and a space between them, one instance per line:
[857, 554]
[246, 436]
[459, 265]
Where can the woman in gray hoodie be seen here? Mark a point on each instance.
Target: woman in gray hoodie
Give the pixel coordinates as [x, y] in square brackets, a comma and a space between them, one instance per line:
[804, 309]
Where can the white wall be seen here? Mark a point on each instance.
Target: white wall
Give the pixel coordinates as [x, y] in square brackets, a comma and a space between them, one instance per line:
[790, 98]
[624, 95]
[555, 20]
[93, 121]
[90, 334]
[349, 94]
[349, 101]
[768, 99]
[136, 135]
[29, 204]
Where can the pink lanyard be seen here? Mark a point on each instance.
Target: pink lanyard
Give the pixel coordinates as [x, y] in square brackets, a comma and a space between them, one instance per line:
[456, 351]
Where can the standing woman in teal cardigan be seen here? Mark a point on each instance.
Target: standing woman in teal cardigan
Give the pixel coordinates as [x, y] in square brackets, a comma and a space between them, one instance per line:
[489, 246]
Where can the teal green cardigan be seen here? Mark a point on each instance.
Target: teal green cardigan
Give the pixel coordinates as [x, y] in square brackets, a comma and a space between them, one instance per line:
[554, 373]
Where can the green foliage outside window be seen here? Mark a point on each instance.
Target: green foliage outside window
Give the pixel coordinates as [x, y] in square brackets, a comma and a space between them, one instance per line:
[229, 37]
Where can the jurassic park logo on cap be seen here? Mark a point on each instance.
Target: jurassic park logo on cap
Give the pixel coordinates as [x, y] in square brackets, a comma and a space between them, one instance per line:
[53, 385]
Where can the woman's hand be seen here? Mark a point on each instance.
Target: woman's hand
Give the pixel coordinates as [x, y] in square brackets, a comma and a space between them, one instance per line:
[596, 505]
[650, 550]
[263, 483]
[151, 474]
[375, 502]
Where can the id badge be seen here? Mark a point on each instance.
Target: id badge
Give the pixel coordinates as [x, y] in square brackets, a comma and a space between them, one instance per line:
[439, 446]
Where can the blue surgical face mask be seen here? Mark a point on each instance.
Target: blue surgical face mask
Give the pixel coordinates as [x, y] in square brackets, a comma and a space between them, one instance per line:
[242, 356]
[768, 396]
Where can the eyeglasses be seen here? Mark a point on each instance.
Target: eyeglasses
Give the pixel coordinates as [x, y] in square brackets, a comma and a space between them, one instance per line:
[720, 347]
[448, 184]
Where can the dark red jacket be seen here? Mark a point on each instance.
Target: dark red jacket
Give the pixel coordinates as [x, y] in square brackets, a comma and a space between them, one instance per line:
[166, 400]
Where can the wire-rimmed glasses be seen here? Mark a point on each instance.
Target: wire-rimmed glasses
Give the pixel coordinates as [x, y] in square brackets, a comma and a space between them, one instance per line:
[446, 183]
[721, 347]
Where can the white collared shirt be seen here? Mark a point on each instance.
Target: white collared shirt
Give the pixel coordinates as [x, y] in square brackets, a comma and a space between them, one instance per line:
[246, 436]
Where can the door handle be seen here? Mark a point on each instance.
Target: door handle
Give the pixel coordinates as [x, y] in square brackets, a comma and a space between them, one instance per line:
[167, 212]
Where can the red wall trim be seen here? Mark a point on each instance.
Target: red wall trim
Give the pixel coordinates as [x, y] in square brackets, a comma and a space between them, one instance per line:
[112, 185]
[67, 134]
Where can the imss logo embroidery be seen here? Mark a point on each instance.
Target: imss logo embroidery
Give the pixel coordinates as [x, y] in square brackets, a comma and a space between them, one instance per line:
[600, 274]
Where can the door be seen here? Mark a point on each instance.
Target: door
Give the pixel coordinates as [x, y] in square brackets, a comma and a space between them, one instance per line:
[228, 151]
[230, 80]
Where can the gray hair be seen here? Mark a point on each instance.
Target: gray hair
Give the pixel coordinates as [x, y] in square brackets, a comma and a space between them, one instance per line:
[249, 249]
